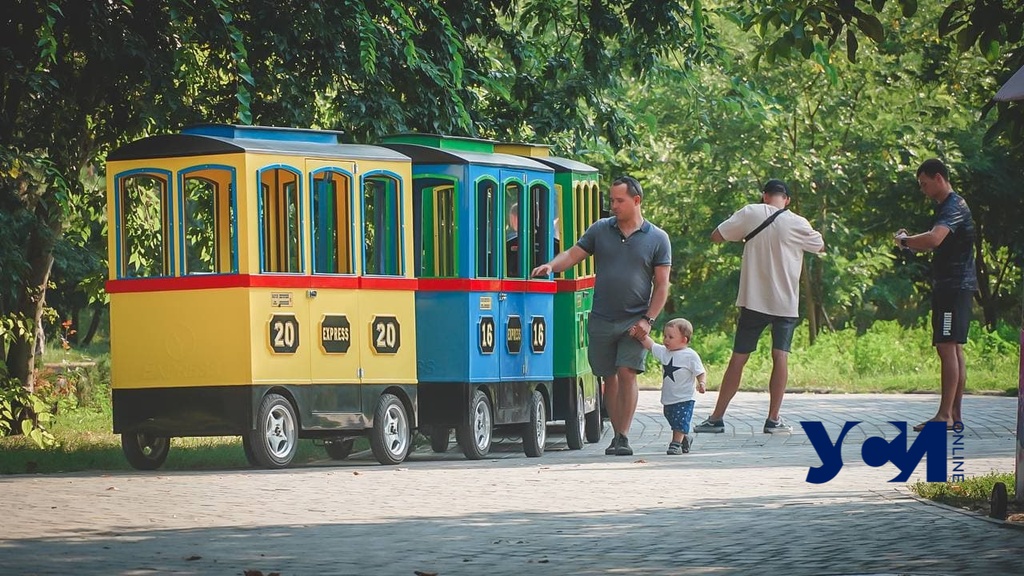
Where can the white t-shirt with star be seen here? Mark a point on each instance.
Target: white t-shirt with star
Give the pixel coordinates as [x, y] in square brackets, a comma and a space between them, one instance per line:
[680, 371]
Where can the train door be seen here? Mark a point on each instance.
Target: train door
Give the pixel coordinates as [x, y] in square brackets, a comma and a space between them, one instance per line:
[386, 304]
[333, 304]
[283, 307]
[513, 357]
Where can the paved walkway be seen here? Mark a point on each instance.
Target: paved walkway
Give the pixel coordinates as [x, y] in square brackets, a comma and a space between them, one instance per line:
[737, 504]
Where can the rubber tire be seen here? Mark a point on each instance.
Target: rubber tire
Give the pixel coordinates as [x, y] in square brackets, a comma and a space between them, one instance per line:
[247, 448]
[595, 424]
[535, 431]
[475, 436]
[391, 435]
[339, 449]
[276, 437]
[576, 421]
[439, 439]
[145, 451]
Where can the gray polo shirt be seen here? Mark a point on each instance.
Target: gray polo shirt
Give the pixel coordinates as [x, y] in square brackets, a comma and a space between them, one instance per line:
[624, 266]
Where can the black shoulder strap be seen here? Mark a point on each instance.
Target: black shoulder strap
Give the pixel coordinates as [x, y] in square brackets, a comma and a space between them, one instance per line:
[764, 224]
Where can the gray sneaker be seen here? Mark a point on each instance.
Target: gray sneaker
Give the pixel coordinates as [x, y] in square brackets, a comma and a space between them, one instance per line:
[710, 426]
[623, 449]
[613, 447]
[674, 448]
[776, 426]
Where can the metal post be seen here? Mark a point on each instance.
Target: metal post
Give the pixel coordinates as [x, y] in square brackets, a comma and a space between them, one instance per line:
[1019, 483]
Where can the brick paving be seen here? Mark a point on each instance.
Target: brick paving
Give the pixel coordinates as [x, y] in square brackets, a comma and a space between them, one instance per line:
[737, 504]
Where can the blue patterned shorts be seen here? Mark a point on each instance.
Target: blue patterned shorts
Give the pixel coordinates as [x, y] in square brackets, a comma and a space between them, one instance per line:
[679, 416]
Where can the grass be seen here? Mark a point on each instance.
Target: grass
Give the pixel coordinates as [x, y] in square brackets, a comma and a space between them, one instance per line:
[85, 442]
[972, 493]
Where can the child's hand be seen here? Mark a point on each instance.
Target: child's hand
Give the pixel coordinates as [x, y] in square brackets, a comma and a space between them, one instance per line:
[700, 387]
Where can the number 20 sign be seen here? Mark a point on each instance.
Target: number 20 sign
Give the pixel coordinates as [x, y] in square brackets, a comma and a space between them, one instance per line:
[284, 334]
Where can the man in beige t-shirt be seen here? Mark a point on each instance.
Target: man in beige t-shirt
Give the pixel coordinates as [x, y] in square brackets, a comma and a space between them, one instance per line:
[769, 294]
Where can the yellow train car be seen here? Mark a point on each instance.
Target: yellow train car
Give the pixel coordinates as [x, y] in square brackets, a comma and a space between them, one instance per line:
[261, 284]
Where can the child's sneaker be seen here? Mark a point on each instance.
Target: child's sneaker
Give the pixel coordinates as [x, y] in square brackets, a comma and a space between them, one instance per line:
[685, 445]
[776, 426]
[674, 448]
[711, 426]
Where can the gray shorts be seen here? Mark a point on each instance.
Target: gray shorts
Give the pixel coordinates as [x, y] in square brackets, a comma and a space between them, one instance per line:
[611, 346]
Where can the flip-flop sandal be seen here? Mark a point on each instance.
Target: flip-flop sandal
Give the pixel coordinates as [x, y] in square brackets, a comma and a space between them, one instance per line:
[920, 426]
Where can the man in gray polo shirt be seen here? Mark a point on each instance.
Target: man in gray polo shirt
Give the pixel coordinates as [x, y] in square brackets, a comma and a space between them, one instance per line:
[632, 262]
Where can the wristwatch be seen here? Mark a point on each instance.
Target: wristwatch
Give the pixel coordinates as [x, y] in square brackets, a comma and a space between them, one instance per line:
[649, 319]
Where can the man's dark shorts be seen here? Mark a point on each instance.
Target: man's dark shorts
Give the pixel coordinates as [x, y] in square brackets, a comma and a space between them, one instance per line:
[751, 324]
[951, 315]
[611, 346]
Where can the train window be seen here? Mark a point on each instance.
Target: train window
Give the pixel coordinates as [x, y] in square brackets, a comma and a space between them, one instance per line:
[144, 225]
[381, 226]
[437, 201]
[280, 221]
[556, 226]
[209, 221]
[332, 223]
[540, 226]
[515, 209]
[488, 226]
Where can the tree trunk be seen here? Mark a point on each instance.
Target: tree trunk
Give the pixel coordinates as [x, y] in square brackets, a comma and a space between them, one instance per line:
[812, 307]
[984, 294]
[21, 356]
[94, 322]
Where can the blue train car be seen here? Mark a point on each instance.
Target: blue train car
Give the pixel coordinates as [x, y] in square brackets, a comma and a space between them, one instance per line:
[486, 359]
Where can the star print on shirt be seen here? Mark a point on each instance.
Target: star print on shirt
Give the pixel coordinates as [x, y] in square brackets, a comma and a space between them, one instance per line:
[670, 369]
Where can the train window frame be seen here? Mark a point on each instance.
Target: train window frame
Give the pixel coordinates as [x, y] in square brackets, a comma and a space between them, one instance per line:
[265, 250]
[515, 209]
[225, 254]
[486, 215]
[166, 231]
[438, 201]
[392, 221]
[541, 225]
[344, 230]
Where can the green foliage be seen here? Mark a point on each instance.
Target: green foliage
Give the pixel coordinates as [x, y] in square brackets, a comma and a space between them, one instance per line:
[972, 493]
[23, 413]
[887, 357]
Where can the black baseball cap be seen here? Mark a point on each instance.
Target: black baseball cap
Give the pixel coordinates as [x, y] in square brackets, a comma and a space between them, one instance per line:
[774, 186]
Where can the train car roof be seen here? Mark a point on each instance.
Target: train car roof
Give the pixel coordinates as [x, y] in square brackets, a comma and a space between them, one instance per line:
[428, 155]
[213, 139]
[566, 164]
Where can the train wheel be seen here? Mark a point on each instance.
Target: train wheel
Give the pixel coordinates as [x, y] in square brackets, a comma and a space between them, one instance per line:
[391, 435]
[145, 451]
[594, 422]
[439, 436]
[339, 449]
[276, 437]
[247, 448]
[576, 423]
[535, 432]
[475, 437]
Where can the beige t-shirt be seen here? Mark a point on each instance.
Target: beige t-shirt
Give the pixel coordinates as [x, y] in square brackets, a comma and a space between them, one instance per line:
[770, 274]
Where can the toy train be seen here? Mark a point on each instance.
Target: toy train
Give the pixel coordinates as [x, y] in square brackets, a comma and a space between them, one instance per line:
[279, 284]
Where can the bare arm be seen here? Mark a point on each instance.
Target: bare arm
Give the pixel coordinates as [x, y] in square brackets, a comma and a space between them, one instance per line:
[929, 240]
[717, 237]
[563, 261]
[702, 382]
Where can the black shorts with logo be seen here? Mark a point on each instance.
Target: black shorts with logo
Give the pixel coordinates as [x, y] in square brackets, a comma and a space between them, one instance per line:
[951, 315]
